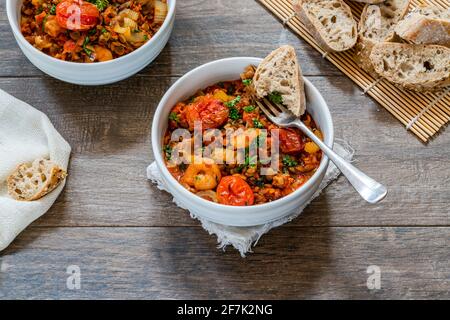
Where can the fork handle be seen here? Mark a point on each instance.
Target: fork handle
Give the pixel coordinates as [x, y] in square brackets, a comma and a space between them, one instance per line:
[369, 189]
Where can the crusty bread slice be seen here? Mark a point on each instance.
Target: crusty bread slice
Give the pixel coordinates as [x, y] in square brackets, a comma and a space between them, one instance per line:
[377, 25]
[280, 72]
[413, 66]
[32, 181]
[426, 25]
[330, 22]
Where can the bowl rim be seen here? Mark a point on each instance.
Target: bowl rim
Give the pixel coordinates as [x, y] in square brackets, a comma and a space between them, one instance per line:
[329, 140]
[62, 63]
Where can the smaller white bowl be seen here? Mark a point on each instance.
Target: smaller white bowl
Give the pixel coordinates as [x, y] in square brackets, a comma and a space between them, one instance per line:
[206, 75]
[97, 73]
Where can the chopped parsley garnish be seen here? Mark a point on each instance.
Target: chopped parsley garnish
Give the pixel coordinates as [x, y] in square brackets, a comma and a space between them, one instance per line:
[92, 31]
[145, 37]
[234, 114]
[233, 102]
[53, 10]
[44, 21]
[289, 161]
[104, 30]
[247, 82]
[249, 108]
[100, 4]
[275, 97]
[87, 50]
[174, 117]
[257, 124]
[168, 151]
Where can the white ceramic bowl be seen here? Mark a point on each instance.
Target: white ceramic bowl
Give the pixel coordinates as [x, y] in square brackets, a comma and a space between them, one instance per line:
[92, 73]
[211, 73]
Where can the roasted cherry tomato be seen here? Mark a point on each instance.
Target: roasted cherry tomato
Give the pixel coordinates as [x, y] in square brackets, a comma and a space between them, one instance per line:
[290, 141]
[77, 15]
[234, 191]
[209, 111]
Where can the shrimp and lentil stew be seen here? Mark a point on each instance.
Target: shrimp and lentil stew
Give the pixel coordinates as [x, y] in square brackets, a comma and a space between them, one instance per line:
[90, 30]
[229, 105]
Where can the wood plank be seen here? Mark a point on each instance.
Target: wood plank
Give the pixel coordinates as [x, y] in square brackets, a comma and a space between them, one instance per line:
[199, 37]
[184, 263]
[110, 138]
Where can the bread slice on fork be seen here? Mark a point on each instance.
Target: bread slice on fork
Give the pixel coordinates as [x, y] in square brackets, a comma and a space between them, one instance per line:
[280, 74]
[32, 181]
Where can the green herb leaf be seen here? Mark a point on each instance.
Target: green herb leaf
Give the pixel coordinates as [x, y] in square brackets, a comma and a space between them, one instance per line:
[275, 97]
[44, 21]
[53, 10]
[289, 161]
[234, 114]
[104, 30]
[174, 117]
[168, 151]
[247, 82]
[233, 102]
[249, 108]
[257, 124]
[100, 4]
[87, 50]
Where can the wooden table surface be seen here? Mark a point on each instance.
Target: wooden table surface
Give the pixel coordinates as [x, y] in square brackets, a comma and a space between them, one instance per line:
[130, 241]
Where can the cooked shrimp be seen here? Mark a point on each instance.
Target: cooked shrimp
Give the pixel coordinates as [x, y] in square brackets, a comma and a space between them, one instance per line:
[202, 176]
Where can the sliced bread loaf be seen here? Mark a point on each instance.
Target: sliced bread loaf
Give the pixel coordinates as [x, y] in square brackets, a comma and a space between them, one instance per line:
[426, 25]
[413, 66]
[32, 181]
[377, 25]
[330, 22]
[280, 73]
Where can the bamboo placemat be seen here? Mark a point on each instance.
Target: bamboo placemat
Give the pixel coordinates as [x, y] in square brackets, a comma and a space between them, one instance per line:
[422, 113]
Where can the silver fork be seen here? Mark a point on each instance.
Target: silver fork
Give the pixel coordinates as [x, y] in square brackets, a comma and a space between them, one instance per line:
[369, 189]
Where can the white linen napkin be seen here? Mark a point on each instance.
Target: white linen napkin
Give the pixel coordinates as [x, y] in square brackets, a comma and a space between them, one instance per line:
[25, 135]
[243, 238]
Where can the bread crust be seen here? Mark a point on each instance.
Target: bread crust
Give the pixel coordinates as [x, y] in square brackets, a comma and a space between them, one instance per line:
[426, 25]
[314, 27]
[413, 66]
[365, 44]
[29, 174]
[264, 86]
